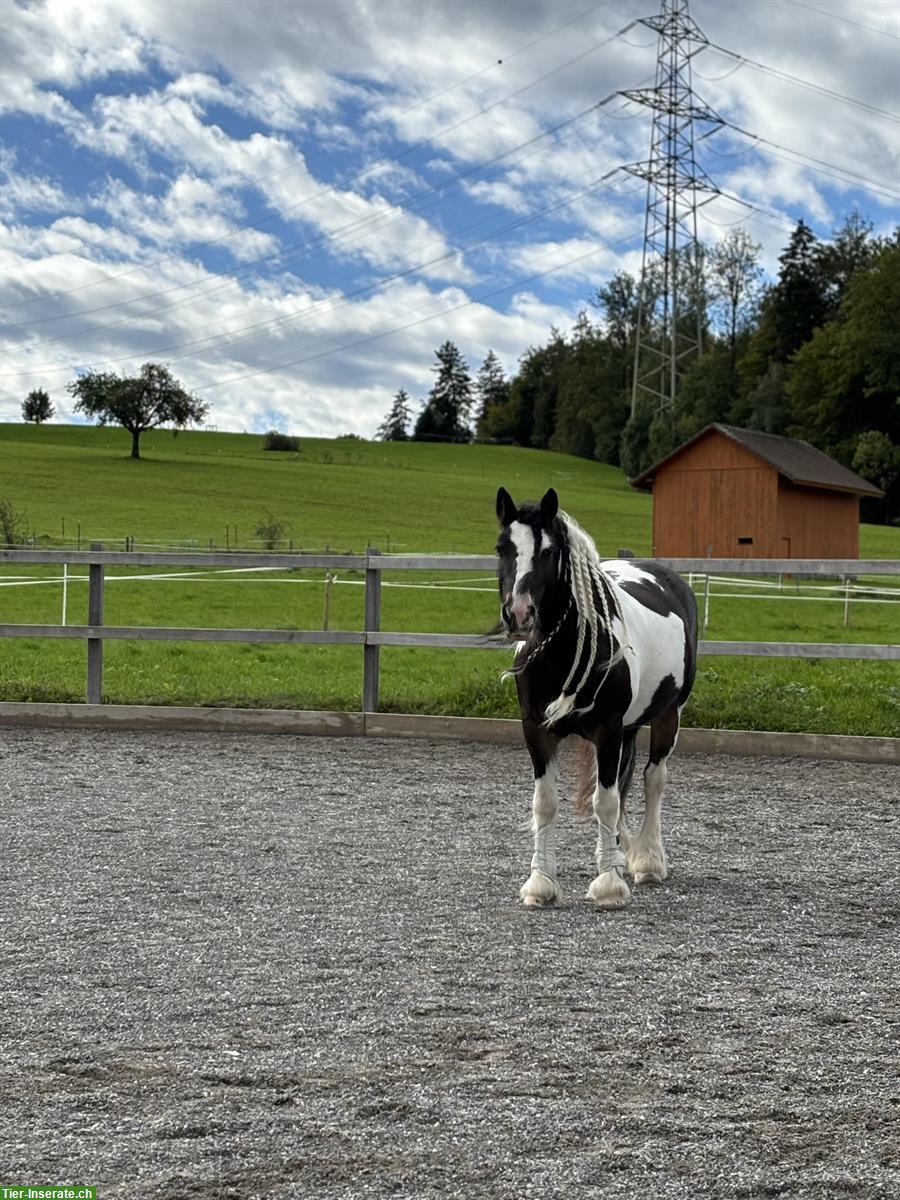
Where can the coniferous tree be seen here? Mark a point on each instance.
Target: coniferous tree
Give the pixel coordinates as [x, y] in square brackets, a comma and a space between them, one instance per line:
[395, 426]
[446, 412]
[798, 299]
[492, 390]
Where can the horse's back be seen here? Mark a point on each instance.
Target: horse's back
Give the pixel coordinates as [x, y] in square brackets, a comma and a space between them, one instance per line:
[657, 587]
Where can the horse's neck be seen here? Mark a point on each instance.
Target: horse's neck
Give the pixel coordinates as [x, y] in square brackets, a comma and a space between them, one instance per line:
[555, 608]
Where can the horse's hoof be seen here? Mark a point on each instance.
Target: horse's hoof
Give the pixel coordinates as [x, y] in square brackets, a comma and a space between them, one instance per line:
[649, 876]
[648, 865]
[609, 891]
[539, 889]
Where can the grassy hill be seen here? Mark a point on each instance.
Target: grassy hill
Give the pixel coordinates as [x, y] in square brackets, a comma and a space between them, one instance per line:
[344, 494]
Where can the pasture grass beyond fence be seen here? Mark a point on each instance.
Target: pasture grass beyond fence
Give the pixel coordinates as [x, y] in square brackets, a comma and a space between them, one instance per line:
[793, 695]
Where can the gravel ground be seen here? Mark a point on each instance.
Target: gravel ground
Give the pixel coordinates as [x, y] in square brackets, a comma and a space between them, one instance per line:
[297, 967]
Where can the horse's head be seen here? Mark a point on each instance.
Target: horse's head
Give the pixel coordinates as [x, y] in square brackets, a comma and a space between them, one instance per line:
[528, 566]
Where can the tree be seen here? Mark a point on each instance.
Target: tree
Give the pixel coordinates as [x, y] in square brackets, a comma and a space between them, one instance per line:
[768, 404]
[492, 390]
[706, 392]
[799, 303]
[13, 524]
[852, 249]
[735, 278]
[846, 378]
[395, 426]
[446, 412]
[635, 450]
[36, 407]
[790, 313]
[577, 392]
[546, 367]
[618, 301]
[137, 403]
[877, 459]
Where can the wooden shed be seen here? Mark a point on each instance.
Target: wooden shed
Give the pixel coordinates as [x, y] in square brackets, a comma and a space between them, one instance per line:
[734, 493]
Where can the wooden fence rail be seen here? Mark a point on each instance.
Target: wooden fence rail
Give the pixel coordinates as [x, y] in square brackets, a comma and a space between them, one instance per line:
[372, 637]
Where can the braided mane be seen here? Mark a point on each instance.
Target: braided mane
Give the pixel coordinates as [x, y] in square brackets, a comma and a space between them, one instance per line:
[590, 589]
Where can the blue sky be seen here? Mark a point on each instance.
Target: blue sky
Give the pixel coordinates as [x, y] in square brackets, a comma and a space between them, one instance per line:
[294, 203]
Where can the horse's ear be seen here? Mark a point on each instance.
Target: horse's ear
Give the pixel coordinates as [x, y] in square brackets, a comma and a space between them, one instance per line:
[549, 505]
[506, 509]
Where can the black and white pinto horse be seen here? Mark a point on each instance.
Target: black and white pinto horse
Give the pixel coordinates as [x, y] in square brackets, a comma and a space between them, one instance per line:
[605, 647]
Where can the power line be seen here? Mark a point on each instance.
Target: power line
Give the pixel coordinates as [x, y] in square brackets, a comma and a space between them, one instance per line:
[826, 168]
[363, 226]
[440, 190]
[419, 321]
[847, 20]
[359, 177]
[806, 83]
[329, 304]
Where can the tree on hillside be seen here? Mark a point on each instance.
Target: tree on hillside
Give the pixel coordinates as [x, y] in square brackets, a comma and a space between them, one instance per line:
[446, 412]
[735, 280]
[846, 378]
[36, 407]
[395, 426]
[851, 249]
[137, 403]
[791, 311]
[799, 303]
[618, 301]
[491, 389]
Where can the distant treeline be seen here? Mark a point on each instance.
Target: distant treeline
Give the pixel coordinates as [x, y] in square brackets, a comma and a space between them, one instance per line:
[814, 355]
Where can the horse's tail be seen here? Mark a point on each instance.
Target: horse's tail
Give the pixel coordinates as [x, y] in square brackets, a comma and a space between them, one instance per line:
[586, 773]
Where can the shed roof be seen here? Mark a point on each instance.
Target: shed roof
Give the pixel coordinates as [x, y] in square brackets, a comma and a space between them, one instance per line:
[796, 460]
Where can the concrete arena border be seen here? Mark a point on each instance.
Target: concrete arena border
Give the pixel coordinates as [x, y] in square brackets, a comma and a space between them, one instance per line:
[151, 718]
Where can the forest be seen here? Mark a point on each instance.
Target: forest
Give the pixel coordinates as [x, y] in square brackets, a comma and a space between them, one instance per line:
[813, 354]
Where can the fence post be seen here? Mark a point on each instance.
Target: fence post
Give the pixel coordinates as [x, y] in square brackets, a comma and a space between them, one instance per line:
[372, 625]
[326, 613]
[95, 645]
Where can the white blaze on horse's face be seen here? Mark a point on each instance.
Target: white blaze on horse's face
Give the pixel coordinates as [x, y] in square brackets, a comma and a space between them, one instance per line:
[516, 554]
[520, 601]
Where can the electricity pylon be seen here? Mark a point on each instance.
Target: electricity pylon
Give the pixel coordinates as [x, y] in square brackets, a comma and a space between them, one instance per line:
[670, 301]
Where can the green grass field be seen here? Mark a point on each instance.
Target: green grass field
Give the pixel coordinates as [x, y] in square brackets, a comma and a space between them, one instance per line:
[344, 495]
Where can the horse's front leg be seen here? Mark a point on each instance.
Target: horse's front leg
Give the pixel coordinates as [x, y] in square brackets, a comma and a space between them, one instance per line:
[609, 889]
[541, 887]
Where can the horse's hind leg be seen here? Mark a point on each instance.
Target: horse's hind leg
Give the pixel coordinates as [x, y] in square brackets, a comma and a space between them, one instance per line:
[647, 855]
[626, 770]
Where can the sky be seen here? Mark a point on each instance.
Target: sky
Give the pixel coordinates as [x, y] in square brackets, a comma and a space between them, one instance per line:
[293, 203]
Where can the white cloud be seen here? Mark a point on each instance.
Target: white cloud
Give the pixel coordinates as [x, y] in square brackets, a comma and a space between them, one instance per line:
[196, 121]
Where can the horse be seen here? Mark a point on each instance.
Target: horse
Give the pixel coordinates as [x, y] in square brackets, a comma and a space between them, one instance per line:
[604, 647]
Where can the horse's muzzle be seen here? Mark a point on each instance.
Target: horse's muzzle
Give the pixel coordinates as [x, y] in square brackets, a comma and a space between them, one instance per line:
[518, 617]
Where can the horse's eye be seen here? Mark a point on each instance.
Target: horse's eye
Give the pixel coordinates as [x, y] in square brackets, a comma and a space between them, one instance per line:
[546, 552]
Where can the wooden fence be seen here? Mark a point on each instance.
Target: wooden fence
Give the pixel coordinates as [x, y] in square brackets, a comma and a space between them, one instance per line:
[371, 638]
